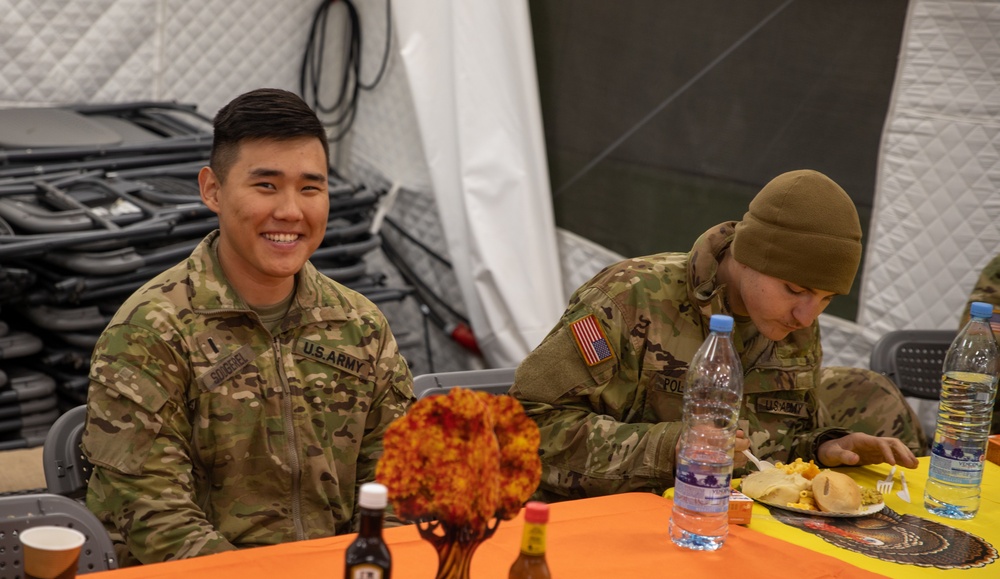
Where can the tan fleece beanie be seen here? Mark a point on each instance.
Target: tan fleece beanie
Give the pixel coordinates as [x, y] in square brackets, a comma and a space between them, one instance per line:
[803, 228]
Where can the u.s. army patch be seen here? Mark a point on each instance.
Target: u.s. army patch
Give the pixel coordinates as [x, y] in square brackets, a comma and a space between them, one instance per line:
[337, 359]
[590, 339]
[785, 407]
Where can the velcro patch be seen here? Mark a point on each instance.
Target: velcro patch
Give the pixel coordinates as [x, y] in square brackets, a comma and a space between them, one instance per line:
[590, 339]
[227, 367]
[785, 407]
[335, 358]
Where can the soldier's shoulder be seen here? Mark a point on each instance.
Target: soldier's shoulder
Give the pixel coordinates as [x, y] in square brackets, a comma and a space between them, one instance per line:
[991, 273]
[356, 306]
[161, 297]
[657, 273]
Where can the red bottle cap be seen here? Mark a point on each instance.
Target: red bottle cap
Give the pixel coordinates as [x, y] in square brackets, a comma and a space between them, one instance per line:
[536, 512]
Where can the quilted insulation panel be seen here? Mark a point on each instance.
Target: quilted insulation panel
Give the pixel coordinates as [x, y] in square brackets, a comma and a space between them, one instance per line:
[937, 206]
[937, 215]
[194, 51]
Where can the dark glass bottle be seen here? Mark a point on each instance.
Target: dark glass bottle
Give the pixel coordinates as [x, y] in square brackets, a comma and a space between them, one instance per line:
[368, 556]
[531, 564]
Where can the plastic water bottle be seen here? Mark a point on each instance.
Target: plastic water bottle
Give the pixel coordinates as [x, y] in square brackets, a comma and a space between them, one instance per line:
[713, 393]
[968, 389]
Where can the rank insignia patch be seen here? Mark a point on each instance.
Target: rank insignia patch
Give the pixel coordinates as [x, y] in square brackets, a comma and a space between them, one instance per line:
[591, 340]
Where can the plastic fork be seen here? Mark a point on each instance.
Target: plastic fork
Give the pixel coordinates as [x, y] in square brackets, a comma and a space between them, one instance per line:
[884, 486]
[905, 493]
[761, 464]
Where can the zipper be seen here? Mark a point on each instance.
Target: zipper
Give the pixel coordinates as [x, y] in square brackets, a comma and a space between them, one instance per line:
[291, 444]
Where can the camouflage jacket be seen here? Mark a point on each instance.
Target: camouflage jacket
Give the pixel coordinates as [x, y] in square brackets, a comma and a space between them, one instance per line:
[613, 426]
[988, 290]
[208, 433]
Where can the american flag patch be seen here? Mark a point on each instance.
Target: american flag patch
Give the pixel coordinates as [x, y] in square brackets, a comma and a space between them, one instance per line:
[591, 340]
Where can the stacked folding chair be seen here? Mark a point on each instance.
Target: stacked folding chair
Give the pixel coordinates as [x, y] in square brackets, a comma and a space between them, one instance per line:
[27, 397]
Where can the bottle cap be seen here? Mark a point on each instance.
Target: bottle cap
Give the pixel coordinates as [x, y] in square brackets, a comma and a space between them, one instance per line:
[720, 323]
[373, 496]
[981, 310]
[536, 512]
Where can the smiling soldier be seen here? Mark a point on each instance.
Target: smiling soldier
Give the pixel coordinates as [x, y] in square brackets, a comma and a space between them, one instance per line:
[213, 421]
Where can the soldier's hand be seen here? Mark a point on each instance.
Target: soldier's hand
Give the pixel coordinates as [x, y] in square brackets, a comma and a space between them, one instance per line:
[742, 443]
[858, 448]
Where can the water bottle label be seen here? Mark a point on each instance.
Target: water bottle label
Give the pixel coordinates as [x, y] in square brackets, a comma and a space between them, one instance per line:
[957, 464]
[703, 493]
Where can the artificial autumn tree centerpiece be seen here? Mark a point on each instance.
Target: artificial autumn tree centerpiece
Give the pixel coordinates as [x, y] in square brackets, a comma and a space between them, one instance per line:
[458, 465]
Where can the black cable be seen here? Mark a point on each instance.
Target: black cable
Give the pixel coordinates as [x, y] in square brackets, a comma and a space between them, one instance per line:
[426, 314]
[385, 54]
[390, 221]
[344, 109]
[423, 290]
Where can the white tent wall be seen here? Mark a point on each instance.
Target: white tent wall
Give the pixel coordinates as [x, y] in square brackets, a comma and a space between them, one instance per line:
[487, 180]
[936, 217]
[470, 66]
[937, 206]
[203, 52]
[936, 220]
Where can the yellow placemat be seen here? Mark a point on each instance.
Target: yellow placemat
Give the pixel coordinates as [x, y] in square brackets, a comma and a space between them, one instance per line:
[986, 525]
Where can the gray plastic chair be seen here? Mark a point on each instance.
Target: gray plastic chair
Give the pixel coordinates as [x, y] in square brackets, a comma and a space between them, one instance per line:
[67, 470]
[19, 512]
[494, 380]
[913, 359]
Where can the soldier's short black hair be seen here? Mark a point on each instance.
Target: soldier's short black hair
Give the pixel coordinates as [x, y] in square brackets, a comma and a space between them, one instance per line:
[261, 114]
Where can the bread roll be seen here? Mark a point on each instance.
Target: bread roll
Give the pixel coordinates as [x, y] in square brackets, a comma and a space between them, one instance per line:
[836, 493]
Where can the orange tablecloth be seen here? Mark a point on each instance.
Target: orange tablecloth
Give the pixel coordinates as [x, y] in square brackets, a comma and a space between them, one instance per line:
[616, 536]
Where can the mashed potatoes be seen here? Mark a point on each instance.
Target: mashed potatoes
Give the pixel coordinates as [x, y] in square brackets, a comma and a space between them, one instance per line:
[775, 486]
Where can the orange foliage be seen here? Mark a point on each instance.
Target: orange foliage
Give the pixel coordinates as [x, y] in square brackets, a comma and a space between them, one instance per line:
[462, 459]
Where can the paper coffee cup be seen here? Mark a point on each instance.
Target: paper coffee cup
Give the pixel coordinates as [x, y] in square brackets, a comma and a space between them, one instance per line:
[51, 552]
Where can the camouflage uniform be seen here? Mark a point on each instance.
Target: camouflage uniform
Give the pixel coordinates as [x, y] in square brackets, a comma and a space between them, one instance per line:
[208, 433]
[988, 290]
[613, 426]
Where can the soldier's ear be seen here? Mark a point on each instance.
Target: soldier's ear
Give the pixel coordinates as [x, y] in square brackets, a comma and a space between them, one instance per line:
[209, 185]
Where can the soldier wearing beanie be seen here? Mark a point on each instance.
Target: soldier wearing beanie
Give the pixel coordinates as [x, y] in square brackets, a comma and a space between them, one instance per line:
[610, 415]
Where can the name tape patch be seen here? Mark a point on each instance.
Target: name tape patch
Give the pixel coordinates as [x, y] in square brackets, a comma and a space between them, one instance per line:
[227, 367]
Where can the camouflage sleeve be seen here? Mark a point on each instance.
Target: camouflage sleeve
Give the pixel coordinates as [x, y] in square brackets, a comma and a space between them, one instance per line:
[807, 445]
[137, 436]
[393, 397]
[987, 289]
[593, 442]
[860, 400]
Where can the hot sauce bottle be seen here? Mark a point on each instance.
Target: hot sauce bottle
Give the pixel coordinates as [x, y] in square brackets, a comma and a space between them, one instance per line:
[531, 564]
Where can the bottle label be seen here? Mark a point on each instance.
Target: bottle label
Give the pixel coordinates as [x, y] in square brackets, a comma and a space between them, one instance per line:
[957, 464]
[703, 493]
[533, 539]
[365, 571]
